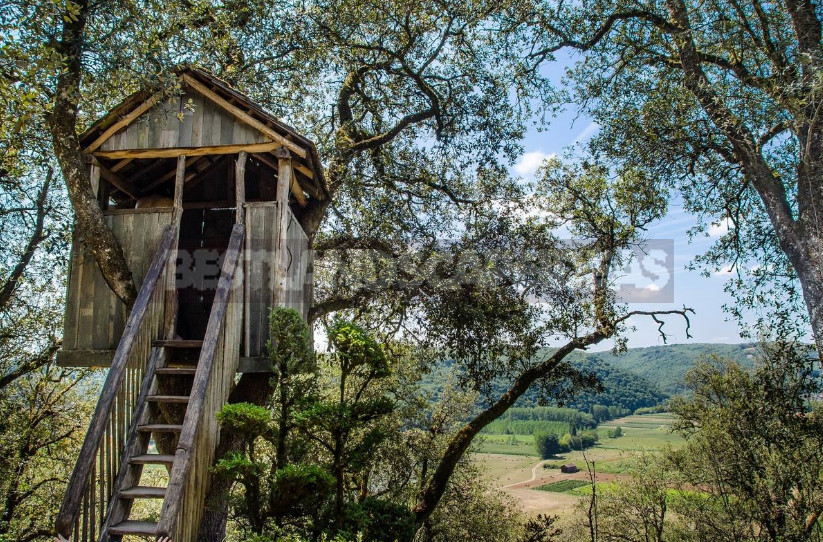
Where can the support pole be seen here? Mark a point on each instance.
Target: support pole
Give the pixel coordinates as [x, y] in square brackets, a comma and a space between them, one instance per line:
[284, 176]
[240, 187]
[170, 322]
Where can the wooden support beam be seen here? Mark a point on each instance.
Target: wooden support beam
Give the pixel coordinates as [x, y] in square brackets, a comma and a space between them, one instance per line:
[120, 183]
[297, 190]
[240, 187]
[174, 152]
[242, 115]
[121, 164]
[125, 121]
[170, 301]
[94, 177]
[304, 170]
[179, 181]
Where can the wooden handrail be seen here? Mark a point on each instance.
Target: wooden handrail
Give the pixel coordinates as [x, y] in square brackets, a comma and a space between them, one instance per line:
[203, 379]
[78, 483]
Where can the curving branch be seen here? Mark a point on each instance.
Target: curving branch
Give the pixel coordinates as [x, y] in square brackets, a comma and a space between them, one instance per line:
[35, 239]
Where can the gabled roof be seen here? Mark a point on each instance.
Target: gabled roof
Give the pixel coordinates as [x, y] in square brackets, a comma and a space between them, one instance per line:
[306, 160]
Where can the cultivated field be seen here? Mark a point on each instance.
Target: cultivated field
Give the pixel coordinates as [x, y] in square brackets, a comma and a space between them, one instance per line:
[513, 465]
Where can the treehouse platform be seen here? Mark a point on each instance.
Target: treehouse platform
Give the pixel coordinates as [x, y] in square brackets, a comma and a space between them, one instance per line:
[204, 190]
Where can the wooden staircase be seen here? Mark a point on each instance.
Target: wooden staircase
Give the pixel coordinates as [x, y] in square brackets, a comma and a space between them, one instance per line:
[160, 394]
[173, 372]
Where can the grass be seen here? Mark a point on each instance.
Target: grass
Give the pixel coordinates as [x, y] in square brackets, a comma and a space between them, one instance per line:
[508, 445]
[563, 486]
[601, 487]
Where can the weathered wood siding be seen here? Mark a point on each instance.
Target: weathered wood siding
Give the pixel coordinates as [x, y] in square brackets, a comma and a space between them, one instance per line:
[262, 244]
[95, 317]
[189, 120]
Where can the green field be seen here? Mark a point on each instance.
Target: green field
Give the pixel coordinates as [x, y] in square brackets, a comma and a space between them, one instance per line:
[563, 486]
[646, 432]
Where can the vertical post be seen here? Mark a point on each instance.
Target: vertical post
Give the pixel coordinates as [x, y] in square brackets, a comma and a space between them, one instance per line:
[240, 218]
[101, 190]
[170, 321]
[284, 175]
[240, 187]
[179, 179]
[94, 177]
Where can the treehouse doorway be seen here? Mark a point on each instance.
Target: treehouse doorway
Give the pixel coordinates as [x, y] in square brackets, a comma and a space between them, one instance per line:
[204, 237]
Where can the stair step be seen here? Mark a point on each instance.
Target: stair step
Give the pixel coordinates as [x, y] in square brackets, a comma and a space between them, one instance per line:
[160, 428]
[152, 459]
[168, 398]
[178, 343]
[129, 527]
[143, 492]
[181, 371]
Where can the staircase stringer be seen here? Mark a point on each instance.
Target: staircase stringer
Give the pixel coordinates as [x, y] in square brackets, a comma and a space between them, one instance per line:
[137, 443]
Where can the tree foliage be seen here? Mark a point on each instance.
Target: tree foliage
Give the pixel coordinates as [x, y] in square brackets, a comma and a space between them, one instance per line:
[750, 469]
[721, 102]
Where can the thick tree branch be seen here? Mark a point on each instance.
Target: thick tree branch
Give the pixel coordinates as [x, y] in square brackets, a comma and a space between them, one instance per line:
[771, 189]
[567, 41]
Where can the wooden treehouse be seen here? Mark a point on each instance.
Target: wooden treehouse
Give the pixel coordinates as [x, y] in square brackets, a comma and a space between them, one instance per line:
[204, 191]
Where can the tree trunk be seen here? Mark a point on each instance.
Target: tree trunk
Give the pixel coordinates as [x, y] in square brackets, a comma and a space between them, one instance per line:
[283, 430]
[89, 224]
[808, 264]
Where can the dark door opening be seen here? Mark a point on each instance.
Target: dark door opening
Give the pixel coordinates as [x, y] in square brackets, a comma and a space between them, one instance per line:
[204, 237]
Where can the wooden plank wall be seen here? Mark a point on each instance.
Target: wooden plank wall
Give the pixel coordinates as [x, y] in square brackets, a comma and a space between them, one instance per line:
[189, 120]
[95, 317]
[261, 266]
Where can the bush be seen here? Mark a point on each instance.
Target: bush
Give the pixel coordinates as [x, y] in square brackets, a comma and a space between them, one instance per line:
[296, 489]
[616, 432]
[588, 439]
[548, 444]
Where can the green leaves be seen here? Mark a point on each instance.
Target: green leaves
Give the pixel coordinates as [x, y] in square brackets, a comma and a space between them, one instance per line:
[245, 419]
[357, 350]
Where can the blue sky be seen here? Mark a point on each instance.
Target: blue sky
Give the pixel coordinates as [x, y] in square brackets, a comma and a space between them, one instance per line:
[704, 294]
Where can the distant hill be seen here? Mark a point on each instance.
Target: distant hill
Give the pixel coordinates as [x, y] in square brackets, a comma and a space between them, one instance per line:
[665, 366]
[621, 388]
[640, 377]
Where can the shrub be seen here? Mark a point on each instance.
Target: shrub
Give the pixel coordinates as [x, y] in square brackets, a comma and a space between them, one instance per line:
[575, 442]
[616, 432]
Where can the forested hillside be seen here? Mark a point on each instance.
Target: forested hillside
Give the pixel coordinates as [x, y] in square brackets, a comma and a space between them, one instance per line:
[665, 366]
[637, 378]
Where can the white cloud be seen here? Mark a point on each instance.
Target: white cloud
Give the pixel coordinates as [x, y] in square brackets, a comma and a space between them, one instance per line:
[530, 161]
[720, 228]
